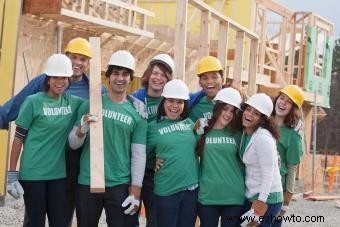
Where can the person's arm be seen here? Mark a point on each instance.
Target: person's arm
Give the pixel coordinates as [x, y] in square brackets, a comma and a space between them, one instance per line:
[9, 111]
[194, 98]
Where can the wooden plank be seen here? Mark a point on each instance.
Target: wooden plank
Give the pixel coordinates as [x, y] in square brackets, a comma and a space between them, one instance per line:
[252, 66]
[180, 38]
[222, 49]
[276, 7]
[130, 7]
[96, 129]
[323, 197]
[105, 24]
[205, 33]
[238, 62]
[263, 40]
[220, 17]
[42, 6]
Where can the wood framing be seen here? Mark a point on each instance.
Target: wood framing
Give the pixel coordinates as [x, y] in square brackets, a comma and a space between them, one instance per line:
[96, 128]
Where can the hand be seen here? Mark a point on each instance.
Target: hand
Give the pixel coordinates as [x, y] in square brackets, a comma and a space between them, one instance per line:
[200, 124]
[299, 128]
[159, 163]
[287, 197]
[85, 122]
[132, 201]
[250, 218]
[14, 188]
[260, 208]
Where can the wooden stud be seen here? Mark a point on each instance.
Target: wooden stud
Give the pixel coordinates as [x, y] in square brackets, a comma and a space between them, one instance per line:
[96, 129]
[222, 49]
[205, 33]
[180, 38]
[238, 62]
[254, 43]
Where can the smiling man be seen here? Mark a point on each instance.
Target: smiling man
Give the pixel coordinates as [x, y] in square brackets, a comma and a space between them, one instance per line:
[209, 71]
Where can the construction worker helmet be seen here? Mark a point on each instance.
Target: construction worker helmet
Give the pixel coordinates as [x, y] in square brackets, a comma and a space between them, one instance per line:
[229, 95]
[176, 89]
[58, 65]
[262, 103]
[208, 64]
[79, 46]
[124, 59]
[294, 93]
[165, 60]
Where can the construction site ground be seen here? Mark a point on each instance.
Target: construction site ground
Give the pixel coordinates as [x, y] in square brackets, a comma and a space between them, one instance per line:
[325, 213]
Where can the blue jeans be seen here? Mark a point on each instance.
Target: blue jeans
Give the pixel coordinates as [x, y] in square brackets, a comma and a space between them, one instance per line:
[177, 210]
[44, 197]
[273, 211]
[148, 198]
[210, 214]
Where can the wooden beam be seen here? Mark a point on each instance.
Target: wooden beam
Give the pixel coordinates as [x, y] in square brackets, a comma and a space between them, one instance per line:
[180, 38]
[263, 40]
[238, 62]
[222, 49]
[205, 33]
[132, 7]
[276, 8]
[252, 67]
[220, 17]
[96, 129]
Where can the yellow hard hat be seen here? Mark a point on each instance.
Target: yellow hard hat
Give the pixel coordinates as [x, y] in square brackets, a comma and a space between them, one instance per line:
[294, 93]
[208, 64]
[79, 46]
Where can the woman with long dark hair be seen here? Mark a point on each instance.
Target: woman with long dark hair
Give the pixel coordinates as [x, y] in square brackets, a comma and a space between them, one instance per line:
[221, 180]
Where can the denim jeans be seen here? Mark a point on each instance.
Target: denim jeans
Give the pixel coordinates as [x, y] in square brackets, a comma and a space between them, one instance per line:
[177, 210]
[273, 211]
[210, 214]
[148, 198]
[44, 197]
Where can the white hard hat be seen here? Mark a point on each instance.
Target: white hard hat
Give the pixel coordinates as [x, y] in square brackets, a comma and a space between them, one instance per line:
[262, 103]
[229, 95]
[164, 59]
[176, 89]
[58, 65]
[124, 59]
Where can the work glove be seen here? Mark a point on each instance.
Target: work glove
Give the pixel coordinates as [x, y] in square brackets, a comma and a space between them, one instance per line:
[299, 128]
[85, 122]
[140, 107]
[159, 164]
[200, 125]
[250, 218]
[132, 201]
[14, 188]
[287, 197]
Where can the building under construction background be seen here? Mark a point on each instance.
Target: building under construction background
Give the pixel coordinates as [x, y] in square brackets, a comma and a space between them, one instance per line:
[262, 47]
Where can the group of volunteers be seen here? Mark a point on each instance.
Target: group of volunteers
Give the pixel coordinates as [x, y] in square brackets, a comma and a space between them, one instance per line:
[209, 154]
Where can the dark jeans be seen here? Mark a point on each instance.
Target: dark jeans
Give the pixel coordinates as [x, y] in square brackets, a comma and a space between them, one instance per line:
[148, 198]
[72, 171]
[210, 214]
[90, 207]
[177, 210]
[273, 211]
[45, 197]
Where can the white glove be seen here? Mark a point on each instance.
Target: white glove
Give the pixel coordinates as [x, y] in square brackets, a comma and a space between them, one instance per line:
[14, 188]
[299, 128]
[84, 122]
[140, 107]
[131, 202]
[201, 123]
[250, 218]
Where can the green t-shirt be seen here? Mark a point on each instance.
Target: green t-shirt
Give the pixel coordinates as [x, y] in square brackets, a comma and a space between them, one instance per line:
[203, 109]
[290, 150]
[245, 139]
[221, 178]
[152, 107]
[122, 126]
[48, 121]
[174, 142]
[273, 197]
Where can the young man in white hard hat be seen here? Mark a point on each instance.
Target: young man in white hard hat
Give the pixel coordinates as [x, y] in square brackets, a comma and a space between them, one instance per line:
[124, 151]
[42, 128]
[79, 51]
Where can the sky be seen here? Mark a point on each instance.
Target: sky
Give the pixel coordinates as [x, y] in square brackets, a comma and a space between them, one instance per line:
[328, 9]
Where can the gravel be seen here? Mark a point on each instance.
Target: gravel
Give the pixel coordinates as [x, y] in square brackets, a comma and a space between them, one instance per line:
[11, 215]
